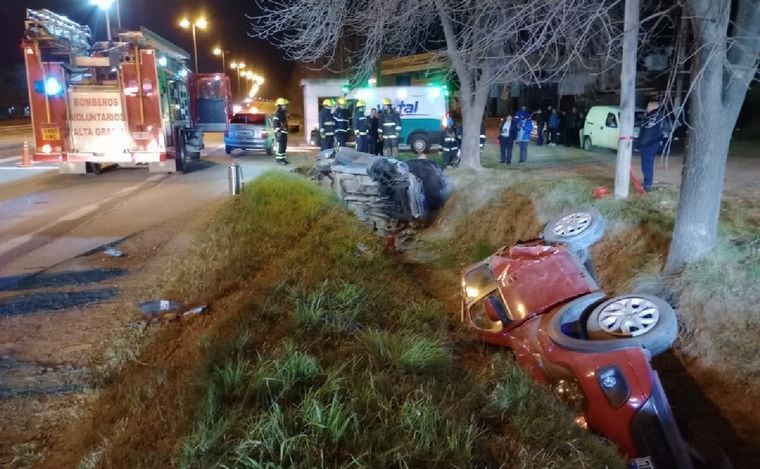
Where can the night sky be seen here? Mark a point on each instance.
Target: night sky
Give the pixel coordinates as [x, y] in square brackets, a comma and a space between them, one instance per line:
[227, 26]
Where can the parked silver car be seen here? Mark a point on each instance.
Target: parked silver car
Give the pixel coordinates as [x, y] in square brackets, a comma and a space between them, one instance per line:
[249, 131]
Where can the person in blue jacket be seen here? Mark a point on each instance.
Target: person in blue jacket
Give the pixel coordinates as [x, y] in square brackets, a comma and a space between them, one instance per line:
[554, 122]
[522, 114]
[650, 139]
[524, 128]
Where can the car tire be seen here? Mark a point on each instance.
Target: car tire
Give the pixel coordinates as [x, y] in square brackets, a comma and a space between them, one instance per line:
[419, 143]
[644, 319]
[228, 149]
[93, 168]
[269, 150]
[180, 152]
[587, 145]
[578, 229]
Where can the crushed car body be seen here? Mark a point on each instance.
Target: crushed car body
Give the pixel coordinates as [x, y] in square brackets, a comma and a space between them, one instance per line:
[386, 193]
[540, 299]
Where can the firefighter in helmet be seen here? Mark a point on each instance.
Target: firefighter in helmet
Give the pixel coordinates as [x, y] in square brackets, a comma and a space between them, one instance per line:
[340, 114]
[280, 124]
[326, 126]
[361, 127]
[390, 128]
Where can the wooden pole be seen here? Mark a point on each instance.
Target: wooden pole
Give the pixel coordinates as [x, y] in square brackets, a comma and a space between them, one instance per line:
[627, 98]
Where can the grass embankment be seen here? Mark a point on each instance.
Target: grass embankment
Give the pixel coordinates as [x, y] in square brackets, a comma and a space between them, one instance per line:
[716, 298]
[319, 350]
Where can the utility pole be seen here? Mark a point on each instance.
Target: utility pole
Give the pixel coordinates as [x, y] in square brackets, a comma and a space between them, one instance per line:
[627, 98]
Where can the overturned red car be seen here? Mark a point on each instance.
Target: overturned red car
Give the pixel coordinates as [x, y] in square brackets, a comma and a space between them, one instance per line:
[540, 298]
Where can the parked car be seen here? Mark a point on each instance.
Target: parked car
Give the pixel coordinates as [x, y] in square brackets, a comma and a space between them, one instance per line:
[386, 193]
[249, 131]
[602, 128]
[540, 299]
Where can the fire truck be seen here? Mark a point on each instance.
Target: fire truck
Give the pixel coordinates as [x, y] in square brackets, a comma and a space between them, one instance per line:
[124, 102]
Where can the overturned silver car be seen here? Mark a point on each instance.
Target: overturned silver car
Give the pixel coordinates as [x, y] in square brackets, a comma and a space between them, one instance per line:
[386, 193]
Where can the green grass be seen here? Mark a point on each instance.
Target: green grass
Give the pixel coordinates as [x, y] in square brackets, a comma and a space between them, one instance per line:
[324, 357]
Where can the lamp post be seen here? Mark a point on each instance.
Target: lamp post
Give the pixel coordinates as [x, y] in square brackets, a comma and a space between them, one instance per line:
[199, 23]
[239, 66]
[105, 5]
[221, 52]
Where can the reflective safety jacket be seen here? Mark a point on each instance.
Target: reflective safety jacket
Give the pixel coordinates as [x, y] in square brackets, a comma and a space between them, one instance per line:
[326, 123]
[390, 124]
[449, 143]
[341, 119]
[280, 121]
[361, 122]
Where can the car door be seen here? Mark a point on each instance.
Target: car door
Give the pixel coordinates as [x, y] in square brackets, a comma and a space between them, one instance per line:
[609, 130]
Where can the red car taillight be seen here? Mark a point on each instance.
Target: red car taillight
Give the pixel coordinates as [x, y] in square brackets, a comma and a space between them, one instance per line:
[264, 134]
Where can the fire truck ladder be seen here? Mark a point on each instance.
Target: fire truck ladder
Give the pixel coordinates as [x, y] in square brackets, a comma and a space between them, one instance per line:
[57, 33]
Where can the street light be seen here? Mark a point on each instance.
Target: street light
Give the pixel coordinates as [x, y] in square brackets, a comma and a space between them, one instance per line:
[199, 23]
[105, 5]
[256, 81]
[220, 51]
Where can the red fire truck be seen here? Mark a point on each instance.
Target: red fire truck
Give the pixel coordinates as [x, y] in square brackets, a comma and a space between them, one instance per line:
[123, 102]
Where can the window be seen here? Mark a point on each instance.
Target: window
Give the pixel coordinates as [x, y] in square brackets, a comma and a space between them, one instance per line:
[611, 120]
[256, 119]
[489, 313]
[211, 88]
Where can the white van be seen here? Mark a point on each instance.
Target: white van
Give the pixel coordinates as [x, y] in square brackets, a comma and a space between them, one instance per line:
[601, 129]
[423, 109]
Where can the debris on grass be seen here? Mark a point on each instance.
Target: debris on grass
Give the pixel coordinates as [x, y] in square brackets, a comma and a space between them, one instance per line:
[112, 252]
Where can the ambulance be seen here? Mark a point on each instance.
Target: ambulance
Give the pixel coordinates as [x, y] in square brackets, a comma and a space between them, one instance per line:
[423, 110]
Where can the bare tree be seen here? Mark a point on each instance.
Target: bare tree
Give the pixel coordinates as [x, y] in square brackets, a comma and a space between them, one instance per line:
[486, 41]
[726, 47]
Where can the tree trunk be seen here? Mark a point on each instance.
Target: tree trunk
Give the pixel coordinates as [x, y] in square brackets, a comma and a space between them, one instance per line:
[473, 106]
[696, 228]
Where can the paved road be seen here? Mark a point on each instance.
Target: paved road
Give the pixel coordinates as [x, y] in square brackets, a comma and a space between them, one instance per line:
[48, 217]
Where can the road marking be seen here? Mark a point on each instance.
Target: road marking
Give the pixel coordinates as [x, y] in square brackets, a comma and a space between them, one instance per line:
[24, 168]
[8, 246]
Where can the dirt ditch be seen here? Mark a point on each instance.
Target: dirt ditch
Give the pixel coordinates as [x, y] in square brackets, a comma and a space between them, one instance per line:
[513, 216]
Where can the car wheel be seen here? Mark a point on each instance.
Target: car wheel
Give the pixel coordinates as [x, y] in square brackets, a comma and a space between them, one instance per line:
[269, 150]
[587, 145]
[228, 149]
[180, 153]
[578, 228]
[644, 319]
[93, 168]
[419, 143]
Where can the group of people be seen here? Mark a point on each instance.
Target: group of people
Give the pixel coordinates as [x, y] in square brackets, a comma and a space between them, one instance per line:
[376, 133]
[552, 126]
[513, 130]
[559, 127]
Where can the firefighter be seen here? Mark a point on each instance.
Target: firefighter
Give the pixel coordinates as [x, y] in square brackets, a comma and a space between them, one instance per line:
[390, 128]
[326, 126]
[341, 122]
[361, 127]
[280, 124]
[450, 147]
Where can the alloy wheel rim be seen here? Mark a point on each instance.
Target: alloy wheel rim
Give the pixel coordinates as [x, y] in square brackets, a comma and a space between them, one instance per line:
[629, 317]
[572, 224]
